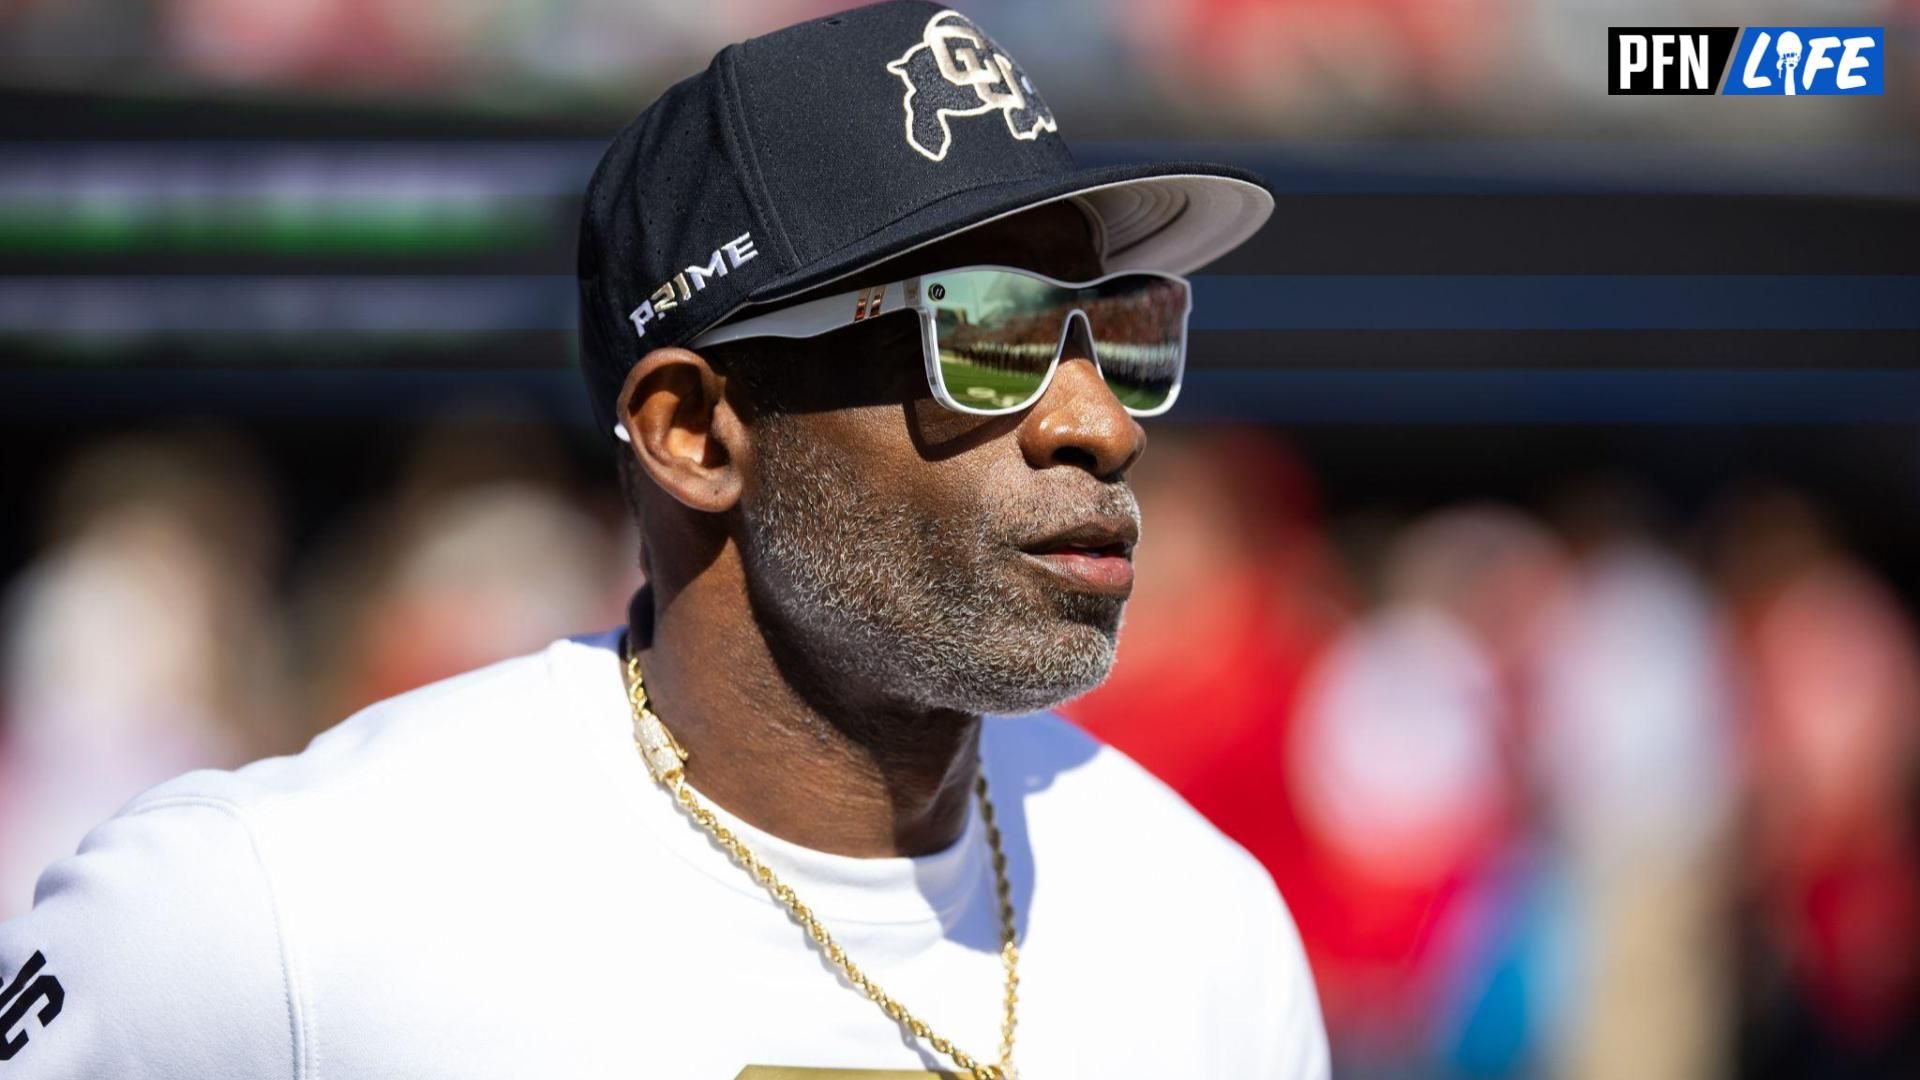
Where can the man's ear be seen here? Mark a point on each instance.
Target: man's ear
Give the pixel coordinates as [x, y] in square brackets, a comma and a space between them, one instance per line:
[681, 429]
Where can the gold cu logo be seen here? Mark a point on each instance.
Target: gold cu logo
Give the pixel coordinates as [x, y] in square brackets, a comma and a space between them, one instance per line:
[956, 70]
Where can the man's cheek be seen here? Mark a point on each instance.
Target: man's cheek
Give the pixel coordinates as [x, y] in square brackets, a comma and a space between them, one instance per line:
[942, 431]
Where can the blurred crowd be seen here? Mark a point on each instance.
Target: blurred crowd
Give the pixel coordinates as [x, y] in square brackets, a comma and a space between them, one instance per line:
[1578, 791]
[1582, 792]
[169, 620]
[1344, 67]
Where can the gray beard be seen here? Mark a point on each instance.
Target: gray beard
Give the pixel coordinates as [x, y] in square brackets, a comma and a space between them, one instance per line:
[921, 609]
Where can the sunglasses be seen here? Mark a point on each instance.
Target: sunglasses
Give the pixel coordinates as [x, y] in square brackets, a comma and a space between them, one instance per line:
[992, 336]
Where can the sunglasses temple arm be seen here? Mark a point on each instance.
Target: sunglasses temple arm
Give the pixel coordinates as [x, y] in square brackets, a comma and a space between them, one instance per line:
[813, 318]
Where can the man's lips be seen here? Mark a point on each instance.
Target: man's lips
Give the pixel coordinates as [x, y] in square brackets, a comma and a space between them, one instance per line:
[1104, 536]
[1094, 555]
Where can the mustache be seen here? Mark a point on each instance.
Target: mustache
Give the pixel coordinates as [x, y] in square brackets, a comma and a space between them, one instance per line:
[1017, 523]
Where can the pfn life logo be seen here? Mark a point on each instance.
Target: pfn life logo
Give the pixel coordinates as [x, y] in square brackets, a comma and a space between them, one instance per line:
[1790, 61]
[1796, 60]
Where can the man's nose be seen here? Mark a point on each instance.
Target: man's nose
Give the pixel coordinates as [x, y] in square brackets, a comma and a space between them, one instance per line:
[1078, 421]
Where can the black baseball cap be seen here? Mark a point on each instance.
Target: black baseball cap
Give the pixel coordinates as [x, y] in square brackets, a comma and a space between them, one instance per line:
[813, 152]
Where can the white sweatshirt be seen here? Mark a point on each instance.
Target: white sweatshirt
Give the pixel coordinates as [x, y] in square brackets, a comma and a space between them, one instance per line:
[479, 880]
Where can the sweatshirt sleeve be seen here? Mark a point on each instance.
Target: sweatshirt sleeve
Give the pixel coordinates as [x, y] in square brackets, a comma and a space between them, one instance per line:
[1293, 1004]
[155, 952]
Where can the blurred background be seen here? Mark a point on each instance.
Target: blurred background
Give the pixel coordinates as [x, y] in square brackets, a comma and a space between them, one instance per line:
[1530, 577]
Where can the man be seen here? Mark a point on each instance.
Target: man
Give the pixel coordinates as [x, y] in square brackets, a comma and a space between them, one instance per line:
[877, 450]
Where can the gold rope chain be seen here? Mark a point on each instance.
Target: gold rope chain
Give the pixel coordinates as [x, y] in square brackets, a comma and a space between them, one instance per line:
[665, 759]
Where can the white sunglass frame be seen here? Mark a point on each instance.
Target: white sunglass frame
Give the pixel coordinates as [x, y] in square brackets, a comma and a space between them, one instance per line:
[825, 315]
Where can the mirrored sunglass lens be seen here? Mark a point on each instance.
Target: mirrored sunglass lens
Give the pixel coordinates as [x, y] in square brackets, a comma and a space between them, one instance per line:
[999, 330]
[1139, 334]
[997, 334]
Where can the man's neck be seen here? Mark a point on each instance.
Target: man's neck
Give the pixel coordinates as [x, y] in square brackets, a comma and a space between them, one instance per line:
[851, 778]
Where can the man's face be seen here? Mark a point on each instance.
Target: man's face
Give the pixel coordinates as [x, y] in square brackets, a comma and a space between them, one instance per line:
[941, 559]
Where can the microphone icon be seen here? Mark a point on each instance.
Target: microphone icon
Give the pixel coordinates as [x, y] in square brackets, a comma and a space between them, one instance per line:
[1788, 51]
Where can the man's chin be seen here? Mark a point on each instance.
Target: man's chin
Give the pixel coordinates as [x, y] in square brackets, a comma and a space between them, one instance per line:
[1013, 680]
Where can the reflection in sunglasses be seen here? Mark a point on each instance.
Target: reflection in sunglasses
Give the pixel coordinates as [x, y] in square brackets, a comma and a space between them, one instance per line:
[1000, 333]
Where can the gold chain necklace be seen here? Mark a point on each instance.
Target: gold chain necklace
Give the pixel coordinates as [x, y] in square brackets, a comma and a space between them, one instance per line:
[666, 759]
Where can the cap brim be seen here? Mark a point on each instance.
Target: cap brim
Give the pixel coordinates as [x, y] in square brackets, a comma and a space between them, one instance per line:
[1173, 217]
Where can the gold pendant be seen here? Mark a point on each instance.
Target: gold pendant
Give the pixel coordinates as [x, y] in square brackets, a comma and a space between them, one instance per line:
[794, 1072]
[661, 751]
